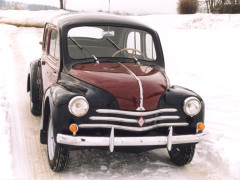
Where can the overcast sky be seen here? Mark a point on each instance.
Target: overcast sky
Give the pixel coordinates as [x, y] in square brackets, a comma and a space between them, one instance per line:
[144, 6]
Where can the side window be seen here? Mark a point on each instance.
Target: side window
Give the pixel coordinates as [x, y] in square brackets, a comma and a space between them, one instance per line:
[57, 49]
[134, 41]
[54, 44]
[45, 38]
[150, 47]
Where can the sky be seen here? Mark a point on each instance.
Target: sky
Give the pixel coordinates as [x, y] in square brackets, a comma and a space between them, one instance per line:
[139, 6]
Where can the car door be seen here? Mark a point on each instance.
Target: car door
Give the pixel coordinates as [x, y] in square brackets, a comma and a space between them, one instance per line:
[50, 61]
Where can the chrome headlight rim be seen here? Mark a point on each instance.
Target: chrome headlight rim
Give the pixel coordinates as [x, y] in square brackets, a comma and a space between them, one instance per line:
[73, 101]
[189, 100]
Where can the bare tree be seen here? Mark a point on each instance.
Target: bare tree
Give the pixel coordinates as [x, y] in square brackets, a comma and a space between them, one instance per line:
[62, 4]
[213, 6]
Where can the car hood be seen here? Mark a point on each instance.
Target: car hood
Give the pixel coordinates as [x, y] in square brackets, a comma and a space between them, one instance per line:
[121, 80]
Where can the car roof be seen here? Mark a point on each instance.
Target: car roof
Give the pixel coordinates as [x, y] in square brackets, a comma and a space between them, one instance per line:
[73, 19]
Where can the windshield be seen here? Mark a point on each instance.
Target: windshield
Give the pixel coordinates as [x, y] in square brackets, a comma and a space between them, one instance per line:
[109, 41]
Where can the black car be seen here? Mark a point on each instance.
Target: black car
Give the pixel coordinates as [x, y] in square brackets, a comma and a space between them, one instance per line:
[101, 83]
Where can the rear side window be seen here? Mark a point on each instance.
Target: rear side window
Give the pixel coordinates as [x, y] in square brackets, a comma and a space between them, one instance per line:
[134, 42]
[54, 44]
[141, 41]
[150, 47]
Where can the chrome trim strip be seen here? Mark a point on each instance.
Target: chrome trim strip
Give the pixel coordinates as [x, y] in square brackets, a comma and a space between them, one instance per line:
[140, 108]
[126, 120]
[127, 128]
[160, 118]
[128, 141]
[116, 119]
[134, 113]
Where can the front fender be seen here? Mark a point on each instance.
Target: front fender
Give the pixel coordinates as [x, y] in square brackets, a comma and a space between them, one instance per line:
[58, 96]
[174, 97]
[55, 102]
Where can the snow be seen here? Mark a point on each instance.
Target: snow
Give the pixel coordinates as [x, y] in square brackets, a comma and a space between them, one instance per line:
[28, 18]
[201, 53]
[5, 138]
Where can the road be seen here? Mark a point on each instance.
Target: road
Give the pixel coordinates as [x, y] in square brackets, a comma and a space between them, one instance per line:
[30, 157]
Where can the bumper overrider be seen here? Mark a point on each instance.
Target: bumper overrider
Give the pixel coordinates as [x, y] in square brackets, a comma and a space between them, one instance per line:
[113, 141]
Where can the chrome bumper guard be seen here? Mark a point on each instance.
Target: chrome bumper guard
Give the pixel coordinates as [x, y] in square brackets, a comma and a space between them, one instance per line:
[112, 141]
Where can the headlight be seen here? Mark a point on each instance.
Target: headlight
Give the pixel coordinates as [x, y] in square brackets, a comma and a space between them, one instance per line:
[78, 106]
[192, 106]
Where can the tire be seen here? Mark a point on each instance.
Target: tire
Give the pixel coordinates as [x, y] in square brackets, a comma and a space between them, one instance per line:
[57, 156]
[35, 102]
[35, 108]
[182, 154]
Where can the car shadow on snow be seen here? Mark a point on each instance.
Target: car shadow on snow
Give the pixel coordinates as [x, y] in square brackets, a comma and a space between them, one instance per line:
[102, 164]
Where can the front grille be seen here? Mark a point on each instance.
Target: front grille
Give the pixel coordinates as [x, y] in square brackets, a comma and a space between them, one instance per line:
[128, 120]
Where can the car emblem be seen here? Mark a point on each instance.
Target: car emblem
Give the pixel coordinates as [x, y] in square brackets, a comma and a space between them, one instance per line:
[141, 121]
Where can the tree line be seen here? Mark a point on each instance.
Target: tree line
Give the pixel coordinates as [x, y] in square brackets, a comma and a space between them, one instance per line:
[223, 6]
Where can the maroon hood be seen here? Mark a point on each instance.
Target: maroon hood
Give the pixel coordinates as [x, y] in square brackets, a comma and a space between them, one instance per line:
[117, 80]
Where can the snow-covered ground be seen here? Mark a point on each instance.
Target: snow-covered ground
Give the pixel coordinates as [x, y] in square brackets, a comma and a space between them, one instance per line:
[201, 53]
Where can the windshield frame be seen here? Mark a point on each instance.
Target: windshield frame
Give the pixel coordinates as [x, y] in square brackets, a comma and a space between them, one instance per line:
[110, 58]
[68, 63]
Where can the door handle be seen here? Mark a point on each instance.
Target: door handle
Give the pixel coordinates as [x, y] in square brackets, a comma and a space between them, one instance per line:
[43, 62]
[54, 73]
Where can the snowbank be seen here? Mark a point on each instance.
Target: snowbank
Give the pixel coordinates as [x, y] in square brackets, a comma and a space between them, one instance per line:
[197, 21]
[194, 21]
[28, 18]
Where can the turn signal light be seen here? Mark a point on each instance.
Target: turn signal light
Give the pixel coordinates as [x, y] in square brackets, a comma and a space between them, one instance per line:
[73, 128]
[201, 126]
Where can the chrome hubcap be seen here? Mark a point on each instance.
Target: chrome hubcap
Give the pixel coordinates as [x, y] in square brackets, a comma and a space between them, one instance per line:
[51, 142]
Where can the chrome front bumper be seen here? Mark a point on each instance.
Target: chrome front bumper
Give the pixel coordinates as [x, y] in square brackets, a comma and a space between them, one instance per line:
[112, 141]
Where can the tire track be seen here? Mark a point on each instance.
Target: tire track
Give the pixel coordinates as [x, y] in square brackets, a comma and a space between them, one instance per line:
[27, 156]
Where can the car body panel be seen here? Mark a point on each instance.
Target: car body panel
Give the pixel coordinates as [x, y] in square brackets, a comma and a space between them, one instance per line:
[50, 66]
[115, 79]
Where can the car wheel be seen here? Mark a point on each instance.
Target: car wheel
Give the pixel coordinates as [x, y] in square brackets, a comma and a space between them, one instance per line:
[57, 156]
[35, 102]
[182, 154]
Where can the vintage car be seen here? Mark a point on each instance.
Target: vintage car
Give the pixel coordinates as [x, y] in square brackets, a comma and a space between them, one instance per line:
[101, 83]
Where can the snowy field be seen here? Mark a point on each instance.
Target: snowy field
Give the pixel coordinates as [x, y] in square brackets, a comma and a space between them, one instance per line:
[201, 53]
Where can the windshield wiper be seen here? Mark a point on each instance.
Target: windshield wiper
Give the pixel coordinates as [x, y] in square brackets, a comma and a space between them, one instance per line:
[113, 43]
[82, 47]
[118, 48]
